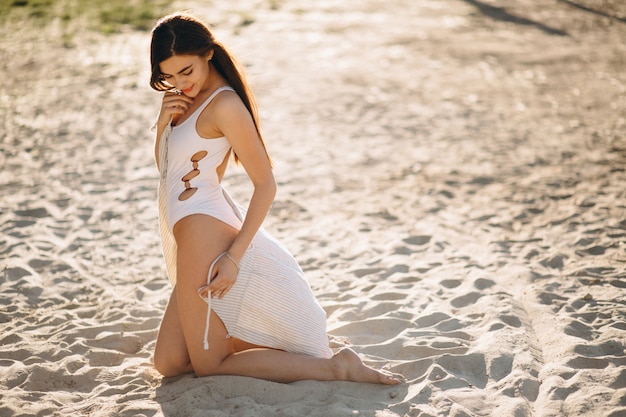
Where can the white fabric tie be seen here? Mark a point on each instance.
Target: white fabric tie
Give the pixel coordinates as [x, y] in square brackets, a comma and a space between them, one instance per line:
[208, 299]
[208, 318]
[167, 238]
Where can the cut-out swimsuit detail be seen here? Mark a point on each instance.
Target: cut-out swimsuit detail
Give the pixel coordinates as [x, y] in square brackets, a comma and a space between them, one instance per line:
[192, 182]
[189, 191]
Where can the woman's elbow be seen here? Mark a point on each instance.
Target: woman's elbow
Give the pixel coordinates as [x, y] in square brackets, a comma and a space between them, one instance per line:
[271, 189]
[265, 185]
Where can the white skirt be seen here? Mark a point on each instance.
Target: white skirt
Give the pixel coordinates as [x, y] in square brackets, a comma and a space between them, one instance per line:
[272, 304]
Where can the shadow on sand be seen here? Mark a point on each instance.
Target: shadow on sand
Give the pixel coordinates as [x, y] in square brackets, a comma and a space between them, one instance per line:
[596, 11]
[501, 14]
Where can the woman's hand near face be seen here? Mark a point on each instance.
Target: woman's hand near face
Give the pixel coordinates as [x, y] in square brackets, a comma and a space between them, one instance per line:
[173, 105]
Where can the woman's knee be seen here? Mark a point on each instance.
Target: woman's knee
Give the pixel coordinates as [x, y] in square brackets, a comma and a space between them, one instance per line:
[208, 368]
[169, 366]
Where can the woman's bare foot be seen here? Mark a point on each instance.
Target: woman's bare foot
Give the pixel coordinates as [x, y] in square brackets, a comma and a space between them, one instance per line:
[349, 367]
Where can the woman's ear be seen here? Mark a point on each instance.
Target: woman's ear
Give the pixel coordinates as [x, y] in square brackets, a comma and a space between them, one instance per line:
[209, 56]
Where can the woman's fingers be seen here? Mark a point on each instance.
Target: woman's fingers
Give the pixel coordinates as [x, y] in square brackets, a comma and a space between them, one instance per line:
[220, 287]
[177, 103]
[224, 279]
[215, 290]
[169, 96]
[173, 104]
[203, 291]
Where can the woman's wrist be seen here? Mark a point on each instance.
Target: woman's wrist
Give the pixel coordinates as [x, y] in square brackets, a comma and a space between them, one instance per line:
[234, 255]
[228, 256]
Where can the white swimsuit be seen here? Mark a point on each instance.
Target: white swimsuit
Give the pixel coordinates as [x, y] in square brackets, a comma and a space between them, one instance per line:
[202, 193]
[271, 303]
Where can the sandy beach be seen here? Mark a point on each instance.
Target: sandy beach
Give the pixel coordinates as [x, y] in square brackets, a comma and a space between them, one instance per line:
[452, 179]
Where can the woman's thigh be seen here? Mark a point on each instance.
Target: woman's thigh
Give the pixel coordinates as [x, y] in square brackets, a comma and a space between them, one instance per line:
[200, 239]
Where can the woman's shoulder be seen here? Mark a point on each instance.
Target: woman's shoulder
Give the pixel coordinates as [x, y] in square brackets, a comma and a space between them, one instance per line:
[215, 96]
[226, 105]
[224, 108]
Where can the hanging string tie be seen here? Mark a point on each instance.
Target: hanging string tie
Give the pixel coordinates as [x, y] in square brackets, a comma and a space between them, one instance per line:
[208, 297]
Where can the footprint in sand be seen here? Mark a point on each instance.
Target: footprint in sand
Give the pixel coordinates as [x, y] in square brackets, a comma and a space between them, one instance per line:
[450, 283]
[13, 274]
[366, 271]
[417, 240]
[512, 321]
[465, 300]
[500, 366]
[99, 358]
[483, 283]
[37, 213]
[468, 369]
[579, 329]
[412, 242]
[431, 319]
[39, 264]
[482, 180]
[554, 262]
[594, 250]
[588, 363]
[124, 343]
[609, 348]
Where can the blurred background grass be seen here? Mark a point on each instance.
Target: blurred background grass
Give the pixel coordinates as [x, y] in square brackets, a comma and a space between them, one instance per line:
[106, 16]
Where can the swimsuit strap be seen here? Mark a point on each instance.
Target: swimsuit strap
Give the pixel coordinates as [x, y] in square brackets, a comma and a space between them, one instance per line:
[209, 100]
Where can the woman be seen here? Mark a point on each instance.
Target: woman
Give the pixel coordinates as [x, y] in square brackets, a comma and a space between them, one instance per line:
[262, 320]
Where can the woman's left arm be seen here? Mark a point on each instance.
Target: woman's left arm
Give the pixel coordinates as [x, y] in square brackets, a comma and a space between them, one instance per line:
[235, 122]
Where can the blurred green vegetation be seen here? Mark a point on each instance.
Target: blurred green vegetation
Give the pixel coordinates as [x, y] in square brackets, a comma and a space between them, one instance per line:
[107, 16]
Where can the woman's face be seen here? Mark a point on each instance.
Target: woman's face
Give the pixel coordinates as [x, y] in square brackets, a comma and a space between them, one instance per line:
[187, 73]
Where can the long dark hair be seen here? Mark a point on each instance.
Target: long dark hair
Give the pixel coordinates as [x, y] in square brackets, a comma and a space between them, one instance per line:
[185, 34]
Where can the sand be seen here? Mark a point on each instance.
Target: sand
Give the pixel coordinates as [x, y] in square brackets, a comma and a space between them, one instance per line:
[451, 178]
